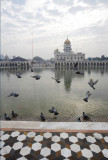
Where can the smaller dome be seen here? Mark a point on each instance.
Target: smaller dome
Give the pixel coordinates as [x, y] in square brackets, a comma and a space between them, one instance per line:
[67, 41]
[57, 50]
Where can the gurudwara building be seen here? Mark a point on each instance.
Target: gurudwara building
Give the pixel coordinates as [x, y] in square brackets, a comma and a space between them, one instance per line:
[68, 57]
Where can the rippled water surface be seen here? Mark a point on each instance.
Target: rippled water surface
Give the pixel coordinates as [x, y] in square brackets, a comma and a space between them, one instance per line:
[37, 96]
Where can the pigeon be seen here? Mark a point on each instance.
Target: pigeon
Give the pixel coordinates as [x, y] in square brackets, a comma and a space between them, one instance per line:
[57, 79]
[85, 117]
[42, 117]
[14, 114]
[13, 94]
[79, 119]
[53, 110]
[19, 74]
[31, 68]
[6, 117]
[92, 83]
[79, 72]
[87, 96]
[75, 67]
[37, 77]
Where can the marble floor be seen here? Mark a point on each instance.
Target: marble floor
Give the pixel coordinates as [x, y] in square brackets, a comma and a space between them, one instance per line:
[36, 145]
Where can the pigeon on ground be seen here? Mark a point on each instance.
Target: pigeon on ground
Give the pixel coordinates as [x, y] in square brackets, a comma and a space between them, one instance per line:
[85, 116]
[42, 117]
[6, 117]
[79, 119]
[14, 114]
[53, 110]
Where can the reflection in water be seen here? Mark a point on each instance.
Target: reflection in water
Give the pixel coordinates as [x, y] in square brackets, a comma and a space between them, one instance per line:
[38, 96]
[68, 75]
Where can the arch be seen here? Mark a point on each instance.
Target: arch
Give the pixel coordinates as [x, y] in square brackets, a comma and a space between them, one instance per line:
[71, 64]
[82, 64]
[27, 64]
[94, 64]
[24, 65]
[89, 64]
[97, 64]
[67, 64]
[85, 64]
[55, 64]
[100, 64]
[21, 64]
[58, 64]
[79, 64]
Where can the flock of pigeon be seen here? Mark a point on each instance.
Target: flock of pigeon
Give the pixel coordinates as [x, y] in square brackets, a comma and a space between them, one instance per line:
[88, 94]
[53, 109]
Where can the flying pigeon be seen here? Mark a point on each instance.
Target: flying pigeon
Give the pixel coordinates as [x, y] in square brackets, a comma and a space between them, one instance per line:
[79, 72]
[13, 94]
[92, 83]
[37, 77]
[57, 79]
[19, 74]
[87, 96]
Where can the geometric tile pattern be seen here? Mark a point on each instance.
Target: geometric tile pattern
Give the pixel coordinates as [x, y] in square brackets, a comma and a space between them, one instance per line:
[32, 145]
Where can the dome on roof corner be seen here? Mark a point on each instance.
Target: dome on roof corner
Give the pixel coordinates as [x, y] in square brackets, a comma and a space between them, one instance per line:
[67, 41]
[57, 49]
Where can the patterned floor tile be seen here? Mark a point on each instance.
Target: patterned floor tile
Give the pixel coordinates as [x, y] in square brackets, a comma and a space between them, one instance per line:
[32, 145]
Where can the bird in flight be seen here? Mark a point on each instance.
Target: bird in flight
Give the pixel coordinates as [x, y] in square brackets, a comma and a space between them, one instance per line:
[19, 74]
[88, 94]
[13, 94]
[37, 77]
[92, 83]
[56, 79]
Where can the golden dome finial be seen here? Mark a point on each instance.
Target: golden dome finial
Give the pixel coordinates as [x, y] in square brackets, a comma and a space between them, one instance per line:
[67, 41]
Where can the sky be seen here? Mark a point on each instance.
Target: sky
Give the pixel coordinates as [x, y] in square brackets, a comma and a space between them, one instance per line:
[32, 28]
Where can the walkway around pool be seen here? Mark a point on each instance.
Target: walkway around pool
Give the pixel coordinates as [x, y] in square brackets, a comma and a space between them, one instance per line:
[30, 140]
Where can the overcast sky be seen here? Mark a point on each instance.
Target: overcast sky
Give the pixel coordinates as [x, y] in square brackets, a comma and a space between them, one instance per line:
[85, 22]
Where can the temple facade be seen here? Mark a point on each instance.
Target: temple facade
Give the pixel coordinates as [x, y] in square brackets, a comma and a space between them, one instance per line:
[68, 55]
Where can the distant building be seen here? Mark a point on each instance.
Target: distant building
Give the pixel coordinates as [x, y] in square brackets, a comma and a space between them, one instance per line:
[6, 58]
[14, 63]
[68, 55]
